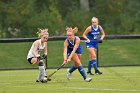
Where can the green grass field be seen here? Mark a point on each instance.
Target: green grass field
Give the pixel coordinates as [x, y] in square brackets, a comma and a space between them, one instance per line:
[113, 80]
[111, 53]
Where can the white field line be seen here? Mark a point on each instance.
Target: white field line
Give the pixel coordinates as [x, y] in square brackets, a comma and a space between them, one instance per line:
[102, 89]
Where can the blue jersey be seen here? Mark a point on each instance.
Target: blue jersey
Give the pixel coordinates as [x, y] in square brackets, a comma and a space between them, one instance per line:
[93, 37]
[94, 33]
[71, 46]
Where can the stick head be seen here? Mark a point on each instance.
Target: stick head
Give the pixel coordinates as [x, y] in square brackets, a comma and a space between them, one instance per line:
[48, 79]
[44, 80]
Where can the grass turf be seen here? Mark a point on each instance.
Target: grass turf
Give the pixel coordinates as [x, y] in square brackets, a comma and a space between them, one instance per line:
[113, 80]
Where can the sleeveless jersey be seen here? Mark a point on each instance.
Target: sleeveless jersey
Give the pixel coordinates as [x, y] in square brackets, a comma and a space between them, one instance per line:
[71, 46]
[40, 47]
[93, 34]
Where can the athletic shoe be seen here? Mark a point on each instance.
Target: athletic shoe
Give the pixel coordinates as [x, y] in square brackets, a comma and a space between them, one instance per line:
[49, 79]
[68, 74]
[37, 81]
[97, 72]
[88, 79]
[44, 80]
[40, 81]
[89, 73]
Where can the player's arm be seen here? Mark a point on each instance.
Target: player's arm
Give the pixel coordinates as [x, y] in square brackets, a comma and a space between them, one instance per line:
[88, 29]
[45, 51]
[74, 48]
[65, 51]
[102, 33]
[36, 44]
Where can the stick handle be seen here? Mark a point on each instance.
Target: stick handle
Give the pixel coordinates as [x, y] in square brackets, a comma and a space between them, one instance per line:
[57, 70]
[61, 66]
[99, 41]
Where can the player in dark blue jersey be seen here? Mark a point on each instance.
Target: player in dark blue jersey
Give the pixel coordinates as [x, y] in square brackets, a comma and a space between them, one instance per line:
[72, 52]
[91, 35]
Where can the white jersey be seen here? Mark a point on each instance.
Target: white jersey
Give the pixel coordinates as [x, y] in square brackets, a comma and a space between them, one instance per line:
[40, 47]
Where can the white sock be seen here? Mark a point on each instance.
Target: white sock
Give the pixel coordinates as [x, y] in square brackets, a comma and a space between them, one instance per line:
[42, 71]
[39, 76]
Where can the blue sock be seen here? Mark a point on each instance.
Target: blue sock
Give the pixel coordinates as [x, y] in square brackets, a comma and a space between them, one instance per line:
[82, 72]
[72, 68]
[90, 63]
[95, 64]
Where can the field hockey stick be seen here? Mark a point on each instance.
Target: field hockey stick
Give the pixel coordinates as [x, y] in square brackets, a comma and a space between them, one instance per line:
[56, 70]
[99, 41]
[42, 58]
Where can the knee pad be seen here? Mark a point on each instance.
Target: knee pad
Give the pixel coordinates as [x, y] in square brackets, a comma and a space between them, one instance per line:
[41, 63]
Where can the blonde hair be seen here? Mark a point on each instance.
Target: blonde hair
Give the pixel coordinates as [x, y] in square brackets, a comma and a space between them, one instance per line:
[70, 29]
[42, 32]
[94, 18]
[75, 30]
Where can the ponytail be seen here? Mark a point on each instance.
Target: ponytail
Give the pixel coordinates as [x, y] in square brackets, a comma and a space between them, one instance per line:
[75, 30]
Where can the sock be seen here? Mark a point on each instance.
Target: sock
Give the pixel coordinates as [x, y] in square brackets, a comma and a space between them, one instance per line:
[72, 68]
[39, 76]
[90, 63]
[42, 72]
[95, 64]
[82, 72]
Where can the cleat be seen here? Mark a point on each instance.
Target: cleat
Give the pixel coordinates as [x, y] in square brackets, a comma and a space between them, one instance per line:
[49, 79]
[68, 74]
[97, 72]
[42, 80]
[88, 79]
[89, 73]
[39, 81]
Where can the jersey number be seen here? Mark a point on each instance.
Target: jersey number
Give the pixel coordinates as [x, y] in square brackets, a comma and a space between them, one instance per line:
[95, 36]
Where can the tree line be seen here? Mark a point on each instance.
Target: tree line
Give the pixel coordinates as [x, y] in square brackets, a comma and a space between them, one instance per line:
[22, 18]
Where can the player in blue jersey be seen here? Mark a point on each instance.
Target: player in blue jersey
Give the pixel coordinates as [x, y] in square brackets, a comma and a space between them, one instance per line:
[72, 52]
[91, 35]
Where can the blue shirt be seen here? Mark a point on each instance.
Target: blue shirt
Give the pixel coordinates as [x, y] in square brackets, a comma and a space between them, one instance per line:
[71, 46]
[94, 33]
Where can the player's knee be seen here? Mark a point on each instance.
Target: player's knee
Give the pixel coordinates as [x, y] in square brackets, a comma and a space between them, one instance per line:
[77, 64]
[93, 54]
[41, 63]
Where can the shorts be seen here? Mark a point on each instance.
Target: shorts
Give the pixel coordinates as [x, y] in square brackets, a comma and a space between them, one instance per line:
[78, 51]
[29, 60]
[92, 45]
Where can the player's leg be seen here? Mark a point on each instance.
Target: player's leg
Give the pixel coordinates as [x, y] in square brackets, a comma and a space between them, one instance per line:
[42, 68]
[69, 71]
[89, 47]
[93, 60]
[92, 55]
[72, 68]
[78, 65]
[90, 64]
[42, 72]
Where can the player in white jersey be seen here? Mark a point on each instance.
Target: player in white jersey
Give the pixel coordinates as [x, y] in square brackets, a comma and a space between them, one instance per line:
[34, 57]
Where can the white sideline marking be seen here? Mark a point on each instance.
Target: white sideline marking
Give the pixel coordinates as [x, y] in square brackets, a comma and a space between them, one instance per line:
[106, 89]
